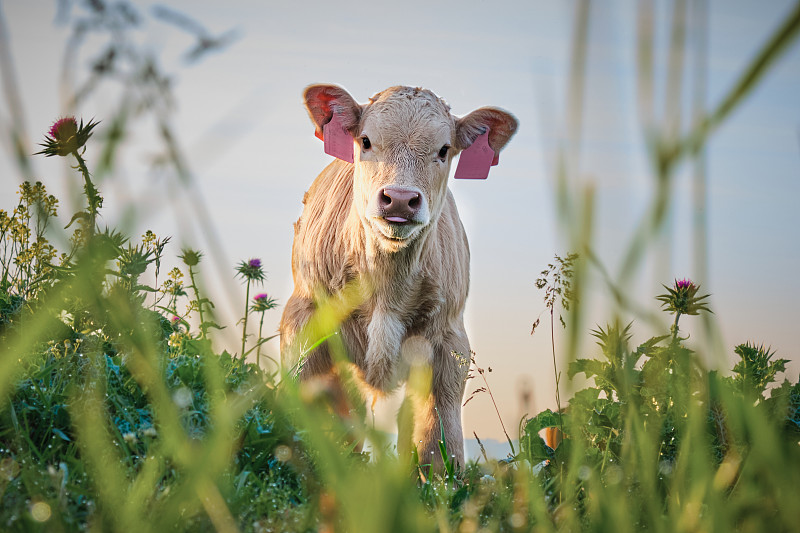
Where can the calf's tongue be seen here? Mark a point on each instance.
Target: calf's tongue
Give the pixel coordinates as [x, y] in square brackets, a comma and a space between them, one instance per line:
[396, 219]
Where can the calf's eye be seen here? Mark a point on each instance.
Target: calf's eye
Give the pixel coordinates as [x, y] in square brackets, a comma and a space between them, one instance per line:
[365, 144]
[443, 151]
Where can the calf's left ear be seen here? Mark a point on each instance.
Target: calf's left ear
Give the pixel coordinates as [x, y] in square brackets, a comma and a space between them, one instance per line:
[323, 101]
[336, 116]
[500, 124]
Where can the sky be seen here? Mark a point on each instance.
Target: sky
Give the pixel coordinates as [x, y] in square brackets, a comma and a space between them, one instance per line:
[251, 153]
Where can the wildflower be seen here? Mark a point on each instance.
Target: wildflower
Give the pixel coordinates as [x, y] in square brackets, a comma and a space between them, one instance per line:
[150, 432]
[190, 257]
[174, 284]
[251, 270]
[64, 129]
[262, 302]
[682, 298]
[129, 437]
[149, 237]
[176, 339]
[175, 275]
[66, 137]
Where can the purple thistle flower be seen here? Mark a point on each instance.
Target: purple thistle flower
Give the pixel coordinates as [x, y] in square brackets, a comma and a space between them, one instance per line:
[682, 298]
[251, 270]
[64, 128]
[176, 319]
[262, 302]
[66, 136]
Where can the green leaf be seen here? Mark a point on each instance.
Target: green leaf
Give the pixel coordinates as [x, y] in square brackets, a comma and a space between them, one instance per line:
[145, 288]
[534, 449]
[646, 348]
[545, 419]
[198, 347]
[590, 367]
[448, 465]
[80, 215]
[206, 301]
[61, 434]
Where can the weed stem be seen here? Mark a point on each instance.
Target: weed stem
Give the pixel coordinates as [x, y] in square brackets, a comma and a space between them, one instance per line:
[246, 311]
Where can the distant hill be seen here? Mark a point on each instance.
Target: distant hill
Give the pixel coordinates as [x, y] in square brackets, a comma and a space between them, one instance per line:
[495, 449]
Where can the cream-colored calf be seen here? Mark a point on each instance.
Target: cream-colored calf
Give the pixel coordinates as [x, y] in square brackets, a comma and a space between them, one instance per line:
[389, 220]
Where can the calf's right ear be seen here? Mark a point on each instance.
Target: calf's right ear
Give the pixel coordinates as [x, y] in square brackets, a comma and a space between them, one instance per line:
[481, 135]
[500, 124]
[323, 101]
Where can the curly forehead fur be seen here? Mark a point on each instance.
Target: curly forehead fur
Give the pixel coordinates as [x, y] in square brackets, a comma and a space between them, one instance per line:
[408, 111]
[400, 92]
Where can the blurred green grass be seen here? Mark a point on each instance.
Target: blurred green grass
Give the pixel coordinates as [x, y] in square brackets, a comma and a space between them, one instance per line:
[116, 417]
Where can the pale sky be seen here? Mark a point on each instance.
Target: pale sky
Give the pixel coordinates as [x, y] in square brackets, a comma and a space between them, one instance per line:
[251, 150]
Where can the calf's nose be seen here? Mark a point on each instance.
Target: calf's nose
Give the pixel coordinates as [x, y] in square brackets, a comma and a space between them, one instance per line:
[399, 204]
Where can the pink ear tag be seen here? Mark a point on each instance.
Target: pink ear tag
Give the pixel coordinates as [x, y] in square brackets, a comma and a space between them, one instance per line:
[338, 142]
[474, 162]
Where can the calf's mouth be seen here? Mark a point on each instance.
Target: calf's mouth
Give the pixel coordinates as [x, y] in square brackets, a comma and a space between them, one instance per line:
[396, 228]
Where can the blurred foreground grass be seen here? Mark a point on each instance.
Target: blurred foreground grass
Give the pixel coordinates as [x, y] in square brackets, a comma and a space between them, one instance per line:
[117, 413]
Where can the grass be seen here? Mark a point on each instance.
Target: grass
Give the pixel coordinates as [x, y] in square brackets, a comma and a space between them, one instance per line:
[117, 413]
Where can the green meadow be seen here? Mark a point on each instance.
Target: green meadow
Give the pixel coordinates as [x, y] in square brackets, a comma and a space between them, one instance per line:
[120, 411]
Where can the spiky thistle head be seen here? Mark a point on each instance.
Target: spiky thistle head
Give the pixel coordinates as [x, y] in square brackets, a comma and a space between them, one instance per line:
[251, 270]
[190, 257]
[682, 298]
[262, 302]
[66, 136]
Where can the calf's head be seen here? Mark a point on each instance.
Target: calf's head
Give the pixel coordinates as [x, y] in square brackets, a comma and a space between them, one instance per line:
[405, 139]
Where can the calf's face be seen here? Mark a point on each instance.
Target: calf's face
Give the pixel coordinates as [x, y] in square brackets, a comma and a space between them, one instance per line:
[402, 160]
[405, 139]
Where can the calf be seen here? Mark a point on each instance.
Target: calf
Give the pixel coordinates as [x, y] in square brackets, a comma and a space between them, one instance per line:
[382, 214]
